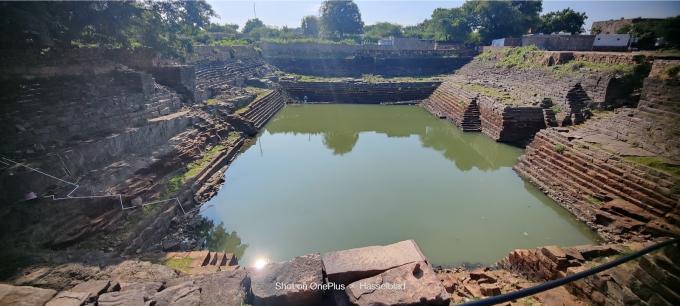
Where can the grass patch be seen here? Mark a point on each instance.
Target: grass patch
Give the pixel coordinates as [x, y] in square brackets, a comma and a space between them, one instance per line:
[258, 92]
[556, 109]
[212, 101]
[368, 78]
[656, 163]
[517, 57]
[229, 42]
[180, 264]
[194, 168]
[499, 95]
[672, 71]
[579, 65]
[559, 148]
[595, 201]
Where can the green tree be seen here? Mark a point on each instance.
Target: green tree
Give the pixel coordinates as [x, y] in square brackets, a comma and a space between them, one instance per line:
[566, 20]
[497, 19]
[530, 11]
[648, 32]
[310, 26]
[382, 30]
[251, 25]
[339, 18]
[164, 26]
[449, 25]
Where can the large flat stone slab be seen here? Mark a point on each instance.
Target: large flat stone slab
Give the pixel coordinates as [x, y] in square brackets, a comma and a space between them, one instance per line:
[346, 266]
[122, 298]
[295, 282]
[223, 288]
[410, 284]
[69, 298]
[24, 295]
[184, 294]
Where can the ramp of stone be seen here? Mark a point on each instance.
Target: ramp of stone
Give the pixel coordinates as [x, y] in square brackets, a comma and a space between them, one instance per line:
[347, 266]
[203, 262]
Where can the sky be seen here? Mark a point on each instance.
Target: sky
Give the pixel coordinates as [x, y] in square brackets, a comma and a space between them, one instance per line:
[289, 13]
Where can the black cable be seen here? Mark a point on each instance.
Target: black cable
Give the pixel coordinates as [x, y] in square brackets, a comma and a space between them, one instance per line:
[507, 297]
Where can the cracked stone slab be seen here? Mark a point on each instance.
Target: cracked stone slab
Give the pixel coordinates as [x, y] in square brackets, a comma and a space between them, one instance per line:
[410, 284]
[69, 298]
[294, 282]
[347, 266]
[24, 295]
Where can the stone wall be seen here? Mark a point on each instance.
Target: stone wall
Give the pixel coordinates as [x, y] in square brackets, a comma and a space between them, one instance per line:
[359, 92]
[334, 60]
[560, 42]
[72, 62]
[360, 65]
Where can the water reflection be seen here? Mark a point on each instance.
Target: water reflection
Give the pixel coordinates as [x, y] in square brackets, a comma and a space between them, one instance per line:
[218, 239]
[342, 125]
[329, 177]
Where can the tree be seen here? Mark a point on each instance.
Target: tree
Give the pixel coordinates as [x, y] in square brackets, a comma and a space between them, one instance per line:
[310, 26]
[449, 25]
[339, 18]
[530, 11]
[566, 20]
[497, 19]
[251, 25]
[382, 30]
[166, 26]
[650, 32]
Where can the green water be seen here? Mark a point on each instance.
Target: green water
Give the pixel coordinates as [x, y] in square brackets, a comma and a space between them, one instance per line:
[330, 177]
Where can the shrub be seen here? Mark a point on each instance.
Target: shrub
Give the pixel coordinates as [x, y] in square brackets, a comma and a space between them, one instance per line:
[560, 148]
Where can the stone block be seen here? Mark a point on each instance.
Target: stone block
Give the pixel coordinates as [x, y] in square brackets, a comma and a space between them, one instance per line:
[223, 288]
[69, 298]
[122, 298]
[93, 287]
[186, 293]
[294, 282]
[347, 266]
[409, 284]
[24, 295]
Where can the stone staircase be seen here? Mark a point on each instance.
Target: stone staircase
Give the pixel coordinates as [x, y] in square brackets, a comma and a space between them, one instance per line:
[260, 111]
[618, 197]
[471, 118]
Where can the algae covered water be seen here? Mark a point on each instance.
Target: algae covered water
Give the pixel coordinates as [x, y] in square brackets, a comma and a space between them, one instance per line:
[338, 176]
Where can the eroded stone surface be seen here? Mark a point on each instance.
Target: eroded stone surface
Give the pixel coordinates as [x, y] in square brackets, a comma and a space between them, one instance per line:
[223, 288]
[69, 298]
[186, 293]
[122, 298]
[410, 284]
[24, 295]
[292, 282]
[93, 287]
[131, 271]
[347, 266]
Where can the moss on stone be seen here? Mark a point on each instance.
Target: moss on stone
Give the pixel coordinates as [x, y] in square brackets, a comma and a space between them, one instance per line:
[580, 65]
[194, 168]
[656, 163]
[180, 264]
[595, 201]
[498, 95]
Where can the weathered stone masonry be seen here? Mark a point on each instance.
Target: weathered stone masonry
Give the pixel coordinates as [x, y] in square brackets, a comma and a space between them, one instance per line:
[512, 104]
[359, 92]
[587, 168]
